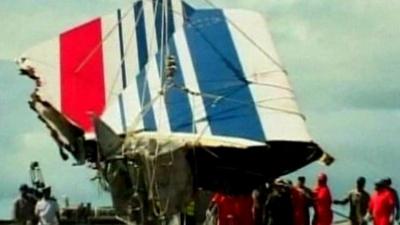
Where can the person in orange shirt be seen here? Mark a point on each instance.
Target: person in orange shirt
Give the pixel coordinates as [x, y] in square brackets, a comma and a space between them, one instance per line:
[322, 202]
[382, 205]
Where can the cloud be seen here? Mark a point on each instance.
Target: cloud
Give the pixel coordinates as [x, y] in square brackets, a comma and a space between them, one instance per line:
[363, 141]
[26, 23]
[65, 179]
[346, 51]
[37, 145]
[23, 139]
[342, 57]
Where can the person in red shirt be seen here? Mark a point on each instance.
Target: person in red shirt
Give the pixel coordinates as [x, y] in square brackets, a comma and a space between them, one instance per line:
[322, 202]
[302, 200]
[234, 210]
[382, 205]
[388, 182]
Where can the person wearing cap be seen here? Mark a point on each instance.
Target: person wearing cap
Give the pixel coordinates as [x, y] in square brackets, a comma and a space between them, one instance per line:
[47, 209]
[302, 200]
[322, 202]
[382, 205]
[358, 199]
[23, 209]
[388, 184]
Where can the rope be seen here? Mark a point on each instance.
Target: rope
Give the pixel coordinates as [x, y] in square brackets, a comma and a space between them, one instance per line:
[144, 110]
[216, 97]
[161, 50]
[273, 60]
[150, 53]
[204, 129]
[96, 48]
[153, 186]
[165, 51]
[219, 97]
[340, 214]
[270, 85]
[275, 99]
[164, 45]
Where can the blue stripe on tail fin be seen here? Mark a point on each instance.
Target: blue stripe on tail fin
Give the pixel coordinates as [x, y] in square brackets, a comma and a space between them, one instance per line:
[229, 104]
[149, 122]
[140, 34]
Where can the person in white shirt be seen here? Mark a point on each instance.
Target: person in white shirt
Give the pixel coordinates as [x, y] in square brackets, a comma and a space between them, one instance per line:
[47, 209]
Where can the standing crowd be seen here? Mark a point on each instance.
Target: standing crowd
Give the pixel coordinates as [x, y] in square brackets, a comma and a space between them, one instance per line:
[35, 207]
[277, 203]
[282, 203]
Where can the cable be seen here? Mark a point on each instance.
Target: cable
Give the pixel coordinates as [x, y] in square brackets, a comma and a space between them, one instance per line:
[219, 97]
[96, 48]
[250, 40]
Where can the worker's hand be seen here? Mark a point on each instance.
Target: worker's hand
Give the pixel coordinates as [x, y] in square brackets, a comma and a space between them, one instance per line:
[336, 202]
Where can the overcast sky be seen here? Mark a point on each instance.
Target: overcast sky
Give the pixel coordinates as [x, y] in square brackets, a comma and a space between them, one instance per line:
[343, 62]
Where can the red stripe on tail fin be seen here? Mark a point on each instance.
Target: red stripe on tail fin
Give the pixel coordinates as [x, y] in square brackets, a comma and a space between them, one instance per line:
[82, 73]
